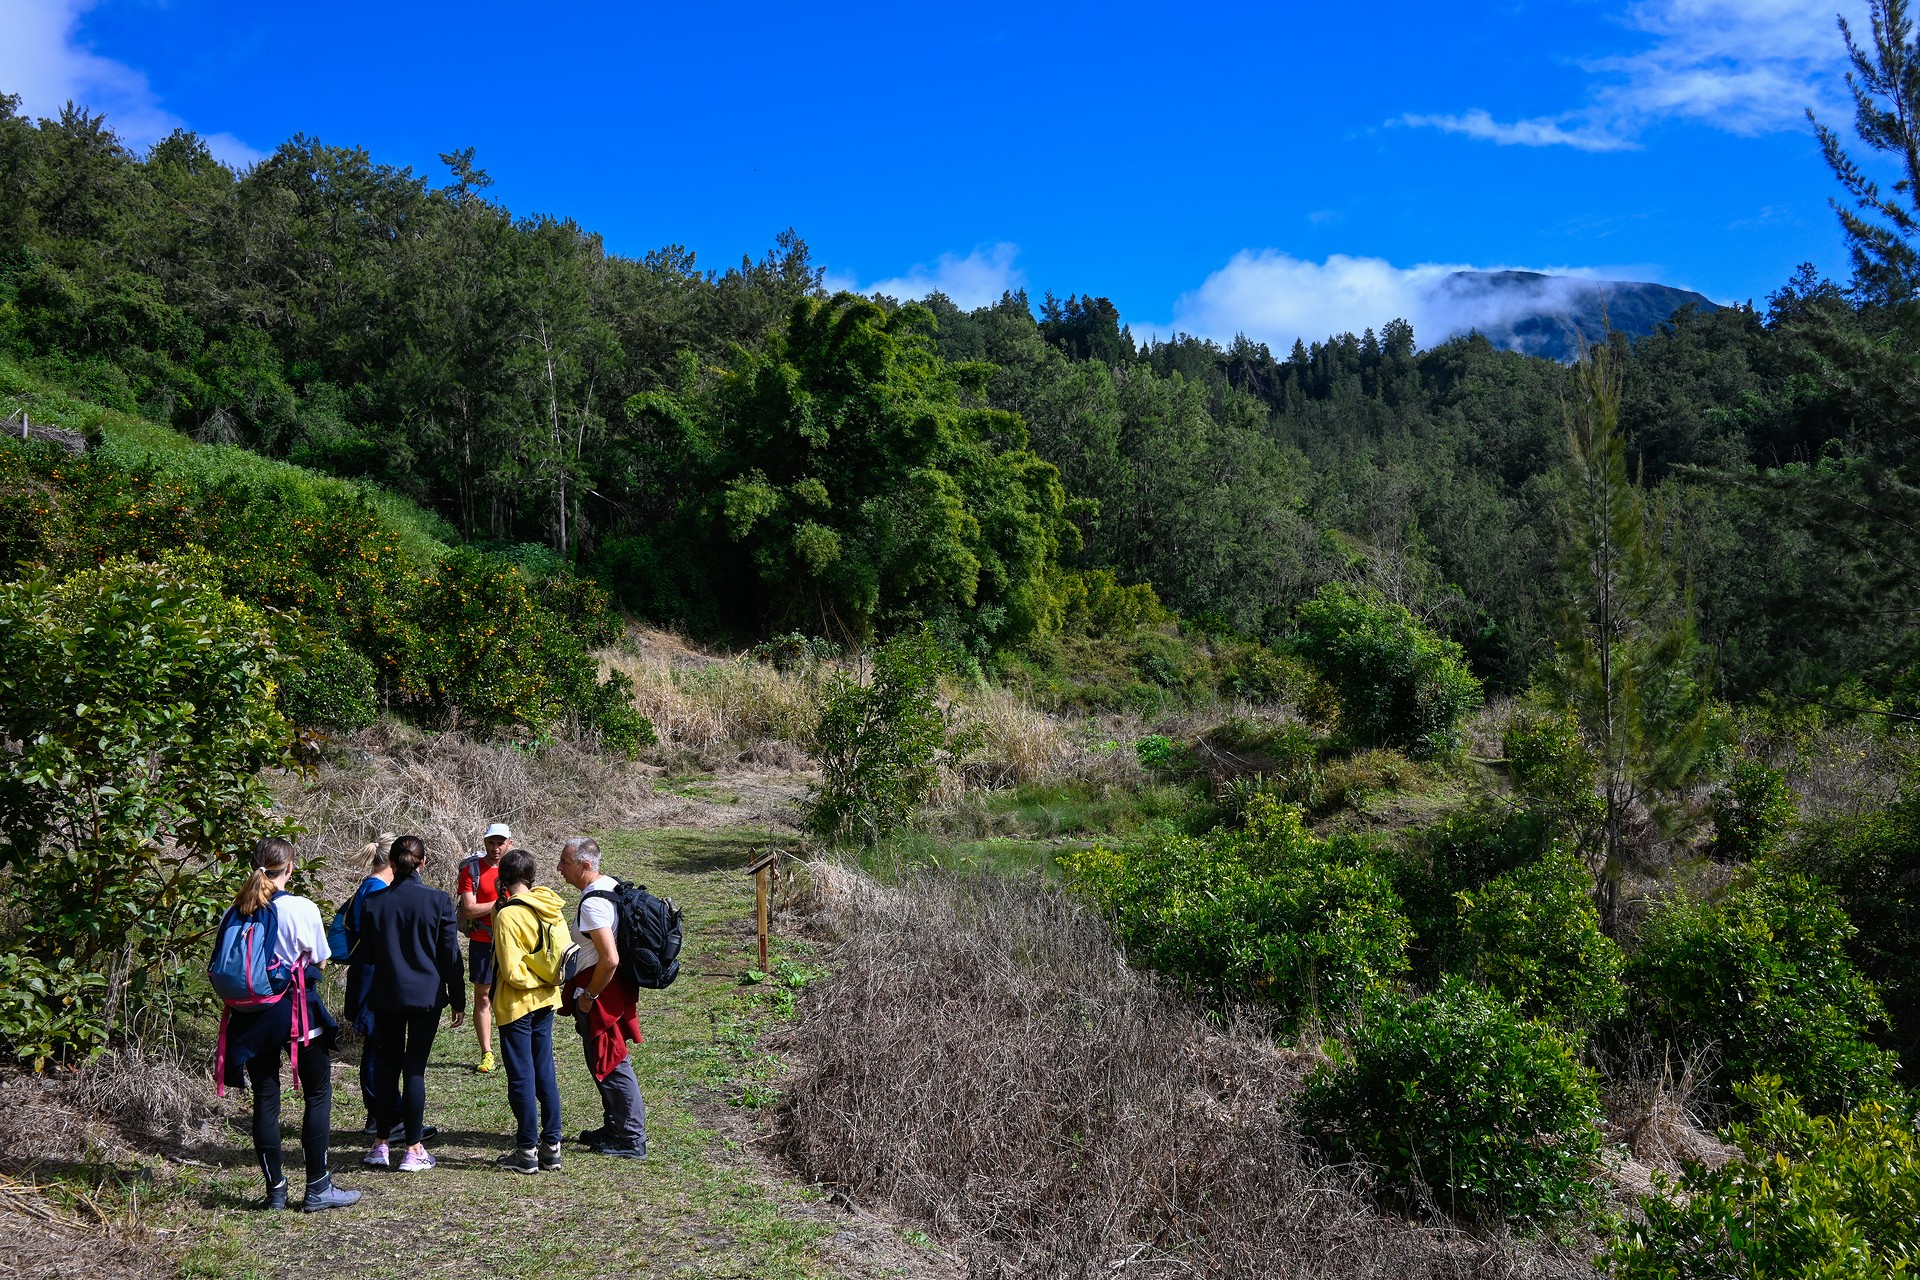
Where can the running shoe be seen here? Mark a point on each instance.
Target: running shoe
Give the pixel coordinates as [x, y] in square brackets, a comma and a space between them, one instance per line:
[377, 1156]
[419, 1163]
[486, 1062]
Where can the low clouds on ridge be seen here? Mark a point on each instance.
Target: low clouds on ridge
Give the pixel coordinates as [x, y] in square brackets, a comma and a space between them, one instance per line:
[43, 60]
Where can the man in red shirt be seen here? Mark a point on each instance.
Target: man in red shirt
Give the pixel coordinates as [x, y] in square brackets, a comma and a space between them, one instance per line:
[479, 889]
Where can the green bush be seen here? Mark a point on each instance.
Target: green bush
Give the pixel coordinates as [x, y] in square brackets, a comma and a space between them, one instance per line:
[1752, 812]
[1812, 1197]
[1268, 912]
[321, 681]
[141, 714]
[1763, 975]
[50, 1010]
[1398, 684]
[877, 743]
[1454, 1095]
[1461, 853]
[1533, 936]
[1553, 767]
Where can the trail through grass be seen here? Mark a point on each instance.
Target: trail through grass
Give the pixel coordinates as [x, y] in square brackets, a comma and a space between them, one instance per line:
[700, 1205]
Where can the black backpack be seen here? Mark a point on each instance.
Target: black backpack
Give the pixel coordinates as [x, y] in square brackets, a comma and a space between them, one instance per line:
[647, 931]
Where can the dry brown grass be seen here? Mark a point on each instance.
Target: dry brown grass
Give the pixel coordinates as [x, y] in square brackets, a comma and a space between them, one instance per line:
[983, 1060]
[721, 711]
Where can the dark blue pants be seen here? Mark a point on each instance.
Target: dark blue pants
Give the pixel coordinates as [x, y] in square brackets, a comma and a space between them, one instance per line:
[526, 1046]
[316, 1117]
[402, 1041]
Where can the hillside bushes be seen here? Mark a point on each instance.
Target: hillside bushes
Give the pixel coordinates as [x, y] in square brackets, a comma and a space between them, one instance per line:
[1268, 912]
[1454, 1095]
[1762, 974]
[1399, 685]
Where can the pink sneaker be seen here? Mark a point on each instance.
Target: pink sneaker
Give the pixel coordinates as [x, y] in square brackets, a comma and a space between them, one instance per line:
[377, 1156]
[420, 1163]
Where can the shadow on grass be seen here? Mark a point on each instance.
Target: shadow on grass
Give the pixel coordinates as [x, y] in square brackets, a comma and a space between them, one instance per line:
[689, 852]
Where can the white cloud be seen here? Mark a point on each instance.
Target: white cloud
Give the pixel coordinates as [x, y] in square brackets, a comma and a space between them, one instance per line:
[1745, 66]
[44, 61]
[976, 280]
[1274, 298]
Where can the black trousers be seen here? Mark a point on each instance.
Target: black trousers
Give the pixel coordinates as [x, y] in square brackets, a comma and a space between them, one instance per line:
[316, 1117]
[402, 1043]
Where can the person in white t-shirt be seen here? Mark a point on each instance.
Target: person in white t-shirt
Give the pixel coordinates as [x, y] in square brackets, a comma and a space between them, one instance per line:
[603, 1005]
[255, 1038]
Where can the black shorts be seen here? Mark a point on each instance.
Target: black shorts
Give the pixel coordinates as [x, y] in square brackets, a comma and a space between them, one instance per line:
[480, 962]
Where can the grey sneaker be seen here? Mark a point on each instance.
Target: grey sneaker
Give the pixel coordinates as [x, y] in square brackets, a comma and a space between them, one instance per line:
[550, 1156]
[328, 1197]
[520, 1161]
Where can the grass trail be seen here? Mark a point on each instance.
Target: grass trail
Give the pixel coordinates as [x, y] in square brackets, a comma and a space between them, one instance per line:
[700, 1206]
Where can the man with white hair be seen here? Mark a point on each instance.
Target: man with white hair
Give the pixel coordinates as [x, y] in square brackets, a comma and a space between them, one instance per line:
[603, 1005]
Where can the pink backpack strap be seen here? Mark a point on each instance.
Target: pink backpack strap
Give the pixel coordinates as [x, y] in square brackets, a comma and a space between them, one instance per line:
[220, 1058]
[300, 1022]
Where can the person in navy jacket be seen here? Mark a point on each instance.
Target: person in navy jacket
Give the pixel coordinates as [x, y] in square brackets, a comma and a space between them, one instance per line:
[407, 934]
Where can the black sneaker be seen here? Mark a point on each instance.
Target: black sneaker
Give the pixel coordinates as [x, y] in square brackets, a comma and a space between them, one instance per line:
[593, 1137]
[399, 1134]
[276, 1196]
[620, 1153]
[550, 1156]
[520, 1161]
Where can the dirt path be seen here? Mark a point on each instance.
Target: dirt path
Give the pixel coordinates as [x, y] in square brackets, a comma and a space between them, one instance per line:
[709, 1202]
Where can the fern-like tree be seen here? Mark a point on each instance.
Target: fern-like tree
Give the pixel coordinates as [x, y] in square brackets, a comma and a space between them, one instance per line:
[1628, 660]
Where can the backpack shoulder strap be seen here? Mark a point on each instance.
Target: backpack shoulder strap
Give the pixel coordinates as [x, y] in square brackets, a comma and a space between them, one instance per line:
[592, 893]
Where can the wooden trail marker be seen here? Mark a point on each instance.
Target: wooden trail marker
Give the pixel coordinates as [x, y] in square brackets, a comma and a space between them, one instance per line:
[759, 869]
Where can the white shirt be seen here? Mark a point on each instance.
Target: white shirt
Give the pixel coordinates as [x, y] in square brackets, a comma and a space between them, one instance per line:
[301, 936]
[594, 913]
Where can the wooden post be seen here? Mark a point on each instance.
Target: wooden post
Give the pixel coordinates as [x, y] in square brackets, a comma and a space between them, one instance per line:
[761, 870]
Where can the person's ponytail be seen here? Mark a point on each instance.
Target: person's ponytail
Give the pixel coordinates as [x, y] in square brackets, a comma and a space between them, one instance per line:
[406, 855]
[271, 857]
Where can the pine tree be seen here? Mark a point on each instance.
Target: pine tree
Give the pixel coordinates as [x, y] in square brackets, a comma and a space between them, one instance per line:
[1628, 660]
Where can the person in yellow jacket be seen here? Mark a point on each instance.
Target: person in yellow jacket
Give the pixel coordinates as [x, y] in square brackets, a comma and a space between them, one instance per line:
[530, 939]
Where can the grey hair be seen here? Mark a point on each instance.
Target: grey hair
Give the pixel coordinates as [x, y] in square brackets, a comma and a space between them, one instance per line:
[584, 849]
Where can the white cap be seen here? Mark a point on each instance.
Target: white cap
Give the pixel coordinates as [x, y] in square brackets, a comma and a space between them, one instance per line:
[498, 829]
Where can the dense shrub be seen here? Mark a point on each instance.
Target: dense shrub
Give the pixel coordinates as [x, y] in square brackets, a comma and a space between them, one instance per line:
[1552, 766]
[1454, 1095]
[1398, 684]
[1267, 912]
[138, 714]
[321, 681]
[1752, 811]
[1812, 1197]
[1533, 936]
[877, 742]
[1763, 975]
[1461, 853]
[1872, 860]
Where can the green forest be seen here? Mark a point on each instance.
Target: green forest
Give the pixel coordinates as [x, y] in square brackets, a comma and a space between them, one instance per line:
[1492, 727]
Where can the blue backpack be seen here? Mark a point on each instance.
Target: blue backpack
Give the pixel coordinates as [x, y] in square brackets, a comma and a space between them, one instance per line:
[244, 971]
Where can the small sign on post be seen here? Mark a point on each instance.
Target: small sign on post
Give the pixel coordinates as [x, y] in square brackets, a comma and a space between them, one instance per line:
[759, 869]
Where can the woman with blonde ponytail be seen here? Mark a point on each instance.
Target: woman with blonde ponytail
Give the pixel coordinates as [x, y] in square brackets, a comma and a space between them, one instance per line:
[256, 1037]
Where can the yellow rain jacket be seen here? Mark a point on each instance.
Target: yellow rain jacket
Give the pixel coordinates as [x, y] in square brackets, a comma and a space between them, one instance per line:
[517, 989]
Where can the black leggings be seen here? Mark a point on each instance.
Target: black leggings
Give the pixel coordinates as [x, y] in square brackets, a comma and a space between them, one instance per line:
[402, 1042]
[316, 1117]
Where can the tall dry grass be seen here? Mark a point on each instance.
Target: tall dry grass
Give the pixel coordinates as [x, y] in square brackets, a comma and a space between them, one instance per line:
[984, 1061]
[724, 711]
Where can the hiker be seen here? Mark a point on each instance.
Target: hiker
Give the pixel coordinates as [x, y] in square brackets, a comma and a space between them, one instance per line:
[357, 1012]
[256, 1033]
[603, 1007]
[478, 890]
[531, 944]
[407, 934]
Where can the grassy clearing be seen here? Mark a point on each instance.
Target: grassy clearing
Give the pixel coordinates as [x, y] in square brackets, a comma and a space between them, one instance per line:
[699, 1206]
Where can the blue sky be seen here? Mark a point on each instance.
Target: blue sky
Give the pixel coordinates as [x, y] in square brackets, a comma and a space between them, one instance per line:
[1280, 169]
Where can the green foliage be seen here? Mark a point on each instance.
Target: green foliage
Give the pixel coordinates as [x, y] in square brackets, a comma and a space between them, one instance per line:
[1553, 767]
[1266, 912]
[1533, 936]
[50, 1011]
[1763, 975]
[1752, 812]
[877, 743]
[1456, 1097]
[1834, 1198]
[140, 703]
[322, 682]
[1460, 854]
[1398, 684]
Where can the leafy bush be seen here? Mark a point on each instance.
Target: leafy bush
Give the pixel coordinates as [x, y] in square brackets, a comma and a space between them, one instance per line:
[50, 1010]
[1454, 1094]
[1752, 811]
[877, 743]
[1398, 684]
[140, 712]
[322, 682]
[1763, 974]
[1813, 1197]
[1267, 912]
[1553, 767]
[1462, 853]
[1533, 935]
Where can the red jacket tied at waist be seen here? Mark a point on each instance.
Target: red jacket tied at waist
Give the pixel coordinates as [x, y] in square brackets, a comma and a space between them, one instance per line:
[607, 1025]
